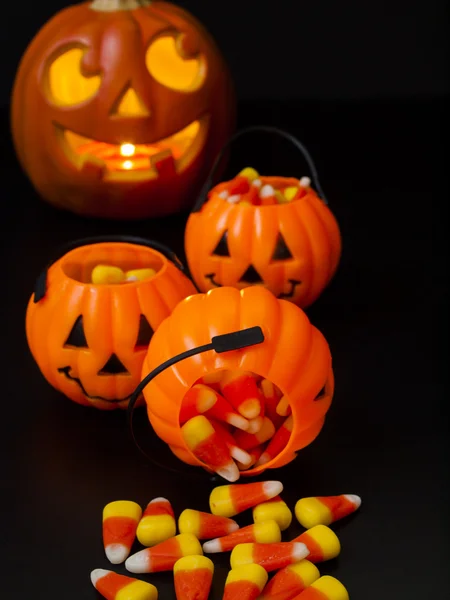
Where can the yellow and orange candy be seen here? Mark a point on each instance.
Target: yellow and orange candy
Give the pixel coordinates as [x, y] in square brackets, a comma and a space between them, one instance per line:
[237, 453]
[157, 523]
[325, 588]
[110, 274]
[241, 390]
[322, 543]
[206, 445]
[324, 510]
[230, 500]
[270, 556]
[196, 401]
[290, 581]
[119, 524]
[223, 411]
[205, 526]
[113, 586]
[163, 556]
[247, 440]
[267, 532]
[272, 395]
[193, 577]
[254, 454]
[275, 509]
[245, 583]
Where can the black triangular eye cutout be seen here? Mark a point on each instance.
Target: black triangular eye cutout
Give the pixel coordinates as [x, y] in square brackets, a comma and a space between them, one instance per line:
[76, 338]
[222, 247]
[281, 251]
[145, 333]
[321, 394]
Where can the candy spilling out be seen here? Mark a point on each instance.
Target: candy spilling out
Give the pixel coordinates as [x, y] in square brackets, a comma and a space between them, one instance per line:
[247, 188]
[109, 274]
[263, 566]
[234, 421]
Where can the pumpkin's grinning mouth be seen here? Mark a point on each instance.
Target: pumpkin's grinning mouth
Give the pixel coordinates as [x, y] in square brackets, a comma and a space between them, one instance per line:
[66, 372]
[294, 283]
[128, 161]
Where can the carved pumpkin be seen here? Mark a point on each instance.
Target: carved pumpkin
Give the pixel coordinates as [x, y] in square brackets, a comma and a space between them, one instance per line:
[89, 340]
[119, 107]
[291, 353]
[293, 248]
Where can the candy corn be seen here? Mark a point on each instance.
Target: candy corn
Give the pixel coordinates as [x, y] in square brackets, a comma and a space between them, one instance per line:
[120, 587]
[254, 454]
[120, 521]
[241, 390]
[272, 396]
[196, 401]
[157, 523]
[237, 453]
[163, 556]
[270, 556]
[325, 588]
[275, 509]
[139, 274]
[322, 543]
[107, 274]
[223, 411]
[305, 182]
[254, 425]
[212, 379]
[324, 510]
[207, 446]
[278, 442]
[230, 500]
[245, 583]
[283, 407]
[239, 185]
[290, 581]
[249, 173]
[247, 440]
[267, 532]
[290, 193]
[205, 526]
[193, 577]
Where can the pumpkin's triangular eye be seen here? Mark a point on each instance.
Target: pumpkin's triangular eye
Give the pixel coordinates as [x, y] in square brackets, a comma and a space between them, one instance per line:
[281, 251]
[145, 333]
[222, 247]
[76, 338]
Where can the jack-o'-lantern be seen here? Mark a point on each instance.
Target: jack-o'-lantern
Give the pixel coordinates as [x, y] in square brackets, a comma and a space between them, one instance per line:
[88, 339]
[119, 107]
[228, 329]
[291, 246]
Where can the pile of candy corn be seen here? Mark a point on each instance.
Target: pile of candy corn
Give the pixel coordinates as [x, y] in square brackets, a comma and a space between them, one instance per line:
[234, 420]
[108, 274]
[248, 189]
[257, 550]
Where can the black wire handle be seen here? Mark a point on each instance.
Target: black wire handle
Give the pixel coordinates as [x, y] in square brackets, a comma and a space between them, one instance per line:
[219, 343]
[258, 128]
[40, 287]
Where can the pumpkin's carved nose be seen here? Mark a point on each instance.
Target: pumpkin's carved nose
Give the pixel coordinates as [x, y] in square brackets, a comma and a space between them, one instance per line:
[251, 275]
[130, 105]
[113, 367]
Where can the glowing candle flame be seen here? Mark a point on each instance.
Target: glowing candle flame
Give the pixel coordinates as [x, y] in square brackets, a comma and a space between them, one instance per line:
[127, 164]
[127, 150]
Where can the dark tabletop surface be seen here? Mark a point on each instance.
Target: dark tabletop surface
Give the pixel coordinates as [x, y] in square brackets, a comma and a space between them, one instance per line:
[383, 169]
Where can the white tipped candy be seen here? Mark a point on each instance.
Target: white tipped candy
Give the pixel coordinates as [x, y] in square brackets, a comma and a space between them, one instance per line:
[230, 472]
[139, 562]
[354, 499]
[97, 574]
[224, 195]
[305, 182]
[116, 553]
[266, 191]
[234, 199]
[257, 183]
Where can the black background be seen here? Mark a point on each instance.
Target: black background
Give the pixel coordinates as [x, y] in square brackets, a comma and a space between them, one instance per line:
[365, 89]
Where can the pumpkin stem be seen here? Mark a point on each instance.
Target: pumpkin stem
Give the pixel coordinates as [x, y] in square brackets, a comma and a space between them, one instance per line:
[116, 5]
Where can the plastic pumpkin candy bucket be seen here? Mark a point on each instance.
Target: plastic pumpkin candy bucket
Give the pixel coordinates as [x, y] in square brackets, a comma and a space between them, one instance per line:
[89, 340]
[228, 329]
[291, 247]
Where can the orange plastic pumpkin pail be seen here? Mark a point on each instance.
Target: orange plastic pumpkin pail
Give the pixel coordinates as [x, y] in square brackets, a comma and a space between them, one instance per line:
[227, 330]
[89, 339]
[276, 232]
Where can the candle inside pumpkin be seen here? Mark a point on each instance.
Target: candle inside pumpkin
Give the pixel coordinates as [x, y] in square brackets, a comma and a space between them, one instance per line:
[134, 157]
[110, 274]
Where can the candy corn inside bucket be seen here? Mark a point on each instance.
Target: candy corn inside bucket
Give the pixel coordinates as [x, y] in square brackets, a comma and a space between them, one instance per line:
[245, 402]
